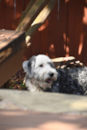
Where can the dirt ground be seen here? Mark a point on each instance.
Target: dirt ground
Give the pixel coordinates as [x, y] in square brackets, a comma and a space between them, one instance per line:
[16, 82]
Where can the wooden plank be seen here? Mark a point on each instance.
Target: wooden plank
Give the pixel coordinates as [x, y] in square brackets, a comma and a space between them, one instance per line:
[31, 15]
[35, 44]
[44, 38]
[27, 53]
[9, 15]
[5, 34]
[11, 45]
[79, 30]
[71, 21]
[40, 41]
[53, 35]
[27, 4]
[43, 15]
[2, 16]
[11, 67]
[34, 48]
[84, 35]
[17, 12]
[60, 47]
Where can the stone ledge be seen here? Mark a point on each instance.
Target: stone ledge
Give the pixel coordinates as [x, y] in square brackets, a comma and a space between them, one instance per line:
[44, 102]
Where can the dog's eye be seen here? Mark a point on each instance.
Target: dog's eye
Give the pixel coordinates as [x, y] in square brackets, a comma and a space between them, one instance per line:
[41, 65]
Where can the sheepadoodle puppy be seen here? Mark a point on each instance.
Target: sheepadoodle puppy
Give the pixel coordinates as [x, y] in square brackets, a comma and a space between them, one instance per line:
[40, 73]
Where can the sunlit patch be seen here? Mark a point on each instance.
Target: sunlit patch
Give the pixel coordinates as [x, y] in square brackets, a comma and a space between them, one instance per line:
[52, 48]
[43, 26]
[66, 43]
[46, 54]
[67, 40]
[66, 1]
[64, 37]
[67, 51]
[85, 16]
[80, 49]
[80, 45]
[67, 55]
[80, 104]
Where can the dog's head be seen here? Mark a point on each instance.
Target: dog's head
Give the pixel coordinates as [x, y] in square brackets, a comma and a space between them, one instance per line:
[41, 68]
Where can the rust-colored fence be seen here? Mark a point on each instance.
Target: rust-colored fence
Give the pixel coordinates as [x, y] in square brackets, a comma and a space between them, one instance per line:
[63, 34]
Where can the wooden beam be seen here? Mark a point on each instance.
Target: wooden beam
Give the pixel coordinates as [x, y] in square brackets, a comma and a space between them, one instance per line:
[11, 44]
[40, 19]
[31, 15]
[31, 3]
[11, 66]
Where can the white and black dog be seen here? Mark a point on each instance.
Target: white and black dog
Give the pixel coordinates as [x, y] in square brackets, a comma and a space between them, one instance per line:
[40, 72]
[41, 75]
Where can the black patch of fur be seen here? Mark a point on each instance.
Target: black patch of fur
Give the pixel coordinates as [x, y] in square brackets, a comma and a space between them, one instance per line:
[32, 59]
[71, 81]
[51, 64]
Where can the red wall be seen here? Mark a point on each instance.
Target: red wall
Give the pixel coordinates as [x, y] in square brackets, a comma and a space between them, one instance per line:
[64, 33]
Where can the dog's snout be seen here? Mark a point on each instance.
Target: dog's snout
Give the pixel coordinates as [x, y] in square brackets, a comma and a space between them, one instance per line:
[51, 74]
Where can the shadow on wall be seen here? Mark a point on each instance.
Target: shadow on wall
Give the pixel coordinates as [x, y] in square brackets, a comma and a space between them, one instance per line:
[10, 13]
[75, 33]
[71, 30]
[64, 32]
[85, 35]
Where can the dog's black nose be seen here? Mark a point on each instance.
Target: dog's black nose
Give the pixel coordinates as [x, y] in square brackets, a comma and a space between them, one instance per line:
[51, 74]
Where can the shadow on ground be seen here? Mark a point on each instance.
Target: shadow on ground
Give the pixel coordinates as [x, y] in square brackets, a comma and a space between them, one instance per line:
[25, 120]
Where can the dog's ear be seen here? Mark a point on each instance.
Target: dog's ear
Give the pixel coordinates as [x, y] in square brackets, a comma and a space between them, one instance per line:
[31, 65]
[24, 65]
[28, 66]
[31, 62]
